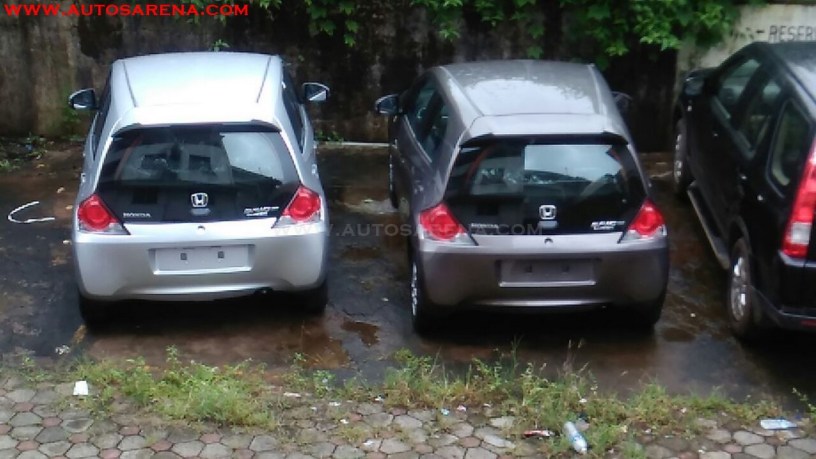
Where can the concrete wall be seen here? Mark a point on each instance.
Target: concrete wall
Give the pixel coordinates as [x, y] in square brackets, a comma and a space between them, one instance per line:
[771, 23]
[44, 58]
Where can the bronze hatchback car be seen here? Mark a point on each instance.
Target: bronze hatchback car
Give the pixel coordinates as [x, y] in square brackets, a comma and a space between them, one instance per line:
[523, 189]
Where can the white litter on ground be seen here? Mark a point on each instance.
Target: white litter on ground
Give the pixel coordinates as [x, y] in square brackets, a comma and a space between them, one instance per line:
[30, 220]
[81, 388]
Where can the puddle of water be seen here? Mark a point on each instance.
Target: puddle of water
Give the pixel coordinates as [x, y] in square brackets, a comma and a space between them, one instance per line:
[366, 332]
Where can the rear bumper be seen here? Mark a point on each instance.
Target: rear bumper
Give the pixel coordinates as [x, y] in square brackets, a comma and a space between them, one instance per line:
[803, 319]
[624, 274]
[124, 267]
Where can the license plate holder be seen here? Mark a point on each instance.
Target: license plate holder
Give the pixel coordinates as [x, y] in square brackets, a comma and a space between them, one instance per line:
[202, 259]
[532, 273]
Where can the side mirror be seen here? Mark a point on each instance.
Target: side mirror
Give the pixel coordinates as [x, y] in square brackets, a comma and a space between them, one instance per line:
[387, 105]
[623, 101]
[84, 99]
[694, 86]
[315, 92]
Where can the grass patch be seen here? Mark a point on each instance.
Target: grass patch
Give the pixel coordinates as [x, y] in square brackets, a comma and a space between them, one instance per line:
[239, 395]
[228, 395]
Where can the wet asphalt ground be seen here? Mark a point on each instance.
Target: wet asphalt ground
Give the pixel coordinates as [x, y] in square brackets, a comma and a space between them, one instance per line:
[368, 318]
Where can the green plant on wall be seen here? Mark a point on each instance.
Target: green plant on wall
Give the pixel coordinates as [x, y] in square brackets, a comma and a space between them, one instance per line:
[609, 26]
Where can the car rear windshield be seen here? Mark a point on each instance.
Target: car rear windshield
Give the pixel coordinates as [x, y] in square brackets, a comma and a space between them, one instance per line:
[150, 174]
[542, 186]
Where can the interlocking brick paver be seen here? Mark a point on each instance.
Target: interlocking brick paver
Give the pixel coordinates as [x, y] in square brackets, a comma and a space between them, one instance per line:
[26, 432]
[719, 436]
[807, 445]
[28, 445]
[7, 442]
[215, 451]
[56, 448]
[658, 452]
[4, 429]
[237, 441]
[21, 395]
[322, 449]
[503, 422]
[263, 443]
[32, 455]
[761, 451]
[745, 438]
[451, 452]
[470, 442]
[143, 453]
[789, 452]
[77, 425]
[51, 422]
[108, 440]
[406, 422]
[166, 455]
[161, 445]
[44, 397]
[379, 419]
[210, 438]
[111, 453]
[132, 442]
[479, 453]
[188, 448]
[22, 407]
[79, 437]
[393, 446]
[22, 419]
[81, 450]
[130, 430]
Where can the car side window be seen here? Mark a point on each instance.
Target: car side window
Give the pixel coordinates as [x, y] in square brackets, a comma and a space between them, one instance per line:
[436, 129]
[732, 83]
[292, 106]
[417, 112]
[756, 118]
[101, 117]
[790, 144]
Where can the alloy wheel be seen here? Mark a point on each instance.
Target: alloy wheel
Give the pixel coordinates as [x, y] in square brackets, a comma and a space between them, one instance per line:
[738, 294]
[677, 170]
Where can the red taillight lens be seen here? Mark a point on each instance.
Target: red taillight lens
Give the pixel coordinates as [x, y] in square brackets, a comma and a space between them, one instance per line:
[440, 224]
[797, 232]
[304, 206]
[93, 215]
[647, 224]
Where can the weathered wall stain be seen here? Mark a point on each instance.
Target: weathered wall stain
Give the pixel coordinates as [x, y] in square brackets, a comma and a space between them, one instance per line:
[46, 57]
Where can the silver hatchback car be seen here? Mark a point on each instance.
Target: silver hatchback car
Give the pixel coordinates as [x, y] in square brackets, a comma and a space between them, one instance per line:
[199, 182]
[523, 189]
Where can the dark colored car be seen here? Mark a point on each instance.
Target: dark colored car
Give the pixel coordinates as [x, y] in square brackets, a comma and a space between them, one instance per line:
[745, 157]
[524, 190]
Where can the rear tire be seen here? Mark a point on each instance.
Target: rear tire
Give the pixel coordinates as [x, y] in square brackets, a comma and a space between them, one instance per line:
[681, 175]
[745, 317]
[314, 301]
[94, 313]
[425, 316]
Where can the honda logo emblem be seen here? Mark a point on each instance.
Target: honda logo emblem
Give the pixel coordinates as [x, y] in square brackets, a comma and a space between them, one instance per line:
[547, 212]
[199, 200]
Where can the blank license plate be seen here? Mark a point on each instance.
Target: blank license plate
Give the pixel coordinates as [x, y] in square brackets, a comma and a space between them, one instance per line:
[226, 258]
[547, 272]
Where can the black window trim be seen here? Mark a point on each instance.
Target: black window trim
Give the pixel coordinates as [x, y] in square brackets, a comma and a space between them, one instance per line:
[763, 76]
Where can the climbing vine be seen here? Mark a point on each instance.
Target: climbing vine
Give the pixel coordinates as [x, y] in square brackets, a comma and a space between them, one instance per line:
[609, 26]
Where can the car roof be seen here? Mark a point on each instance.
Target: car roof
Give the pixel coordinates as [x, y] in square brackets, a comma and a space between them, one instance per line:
[513, 97]
[800, 59]
[196, 87]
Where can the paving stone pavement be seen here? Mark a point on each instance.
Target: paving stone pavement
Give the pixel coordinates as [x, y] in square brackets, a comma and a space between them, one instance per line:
[45, 422]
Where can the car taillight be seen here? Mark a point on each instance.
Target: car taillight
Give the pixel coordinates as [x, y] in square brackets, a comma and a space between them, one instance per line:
[797, 231]
[647, 224]
[305, 207]
[94, 217]
[439, 224]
